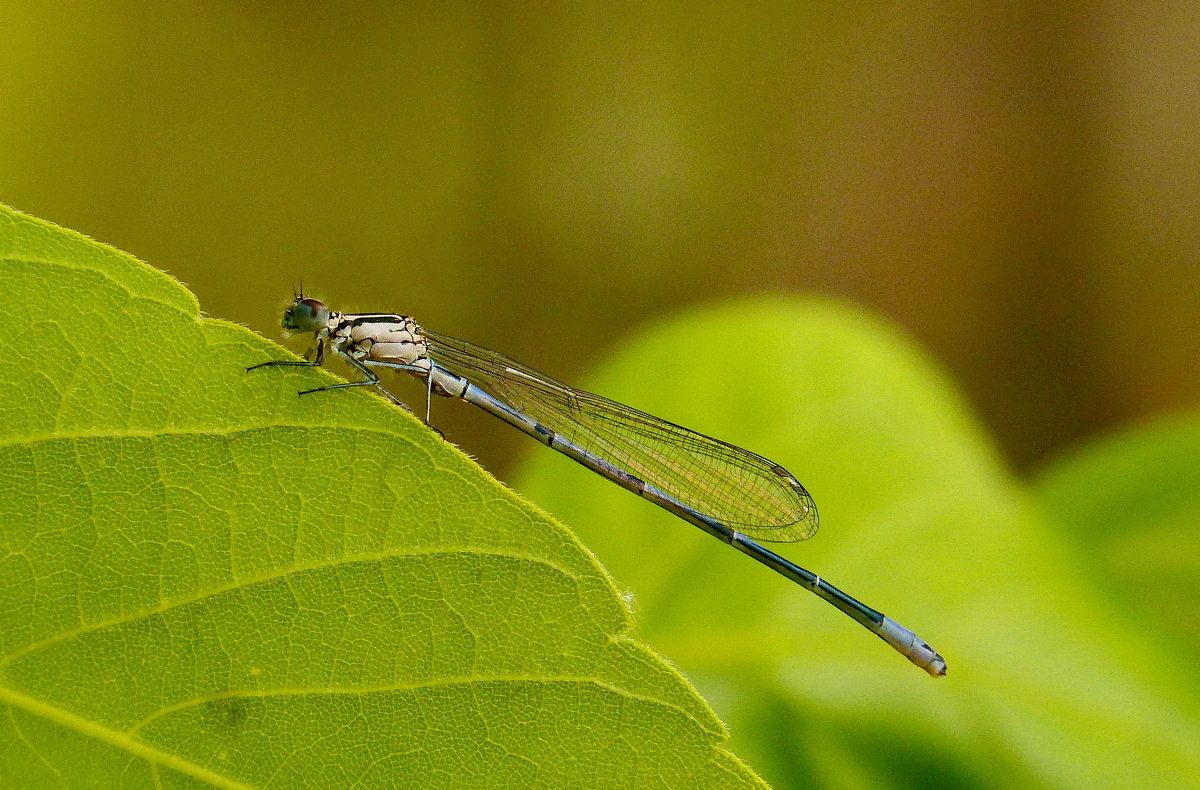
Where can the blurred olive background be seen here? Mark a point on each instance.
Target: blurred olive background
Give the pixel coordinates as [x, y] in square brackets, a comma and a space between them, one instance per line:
[1012, 185]
[1015, 186]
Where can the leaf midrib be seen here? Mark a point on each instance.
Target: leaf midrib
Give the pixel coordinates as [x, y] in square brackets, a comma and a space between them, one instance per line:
[119, 739]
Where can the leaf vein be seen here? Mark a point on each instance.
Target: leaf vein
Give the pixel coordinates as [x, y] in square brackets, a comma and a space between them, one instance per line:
[281, 573]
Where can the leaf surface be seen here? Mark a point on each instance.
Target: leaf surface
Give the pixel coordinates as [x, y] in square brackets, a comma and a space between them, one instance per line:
[208, 581]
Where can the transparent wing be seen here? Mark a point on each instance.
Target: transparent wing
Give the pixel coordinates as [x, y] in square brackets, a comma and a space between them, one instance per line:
[755, 496]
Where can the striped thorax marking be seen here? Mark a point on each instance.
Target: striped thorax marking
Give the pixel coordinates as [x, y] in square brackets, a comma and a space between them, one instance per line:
[380, 338]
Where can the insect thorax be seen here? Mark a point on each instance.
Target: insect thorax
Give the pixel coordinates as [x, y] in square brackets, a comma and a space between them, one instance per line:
[381, 338]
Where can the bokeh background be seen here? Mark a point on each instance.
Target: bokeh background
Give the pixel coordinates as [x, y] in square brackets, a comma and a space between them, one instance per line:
[1014, 186]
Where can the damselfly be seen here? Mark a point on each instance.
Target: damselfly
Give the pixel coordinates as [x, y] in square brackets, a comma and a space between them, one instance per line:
[730, 493]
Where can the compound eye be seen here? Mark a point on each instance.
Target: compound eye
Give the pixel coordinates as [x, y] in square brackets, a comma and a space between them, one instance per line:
[306, 315]
[313, 307]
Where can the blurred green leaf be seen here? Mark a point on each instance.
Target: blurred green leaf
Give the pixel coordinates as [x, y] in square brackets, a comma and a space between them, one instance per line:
[1046, 686]
[1132, 503]
[209, 581]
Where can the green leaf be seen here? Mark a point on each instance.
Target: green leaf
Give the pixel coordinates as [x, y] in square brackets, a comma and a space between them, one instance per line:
[1132, 504]
[1047, 684]
[208, 581]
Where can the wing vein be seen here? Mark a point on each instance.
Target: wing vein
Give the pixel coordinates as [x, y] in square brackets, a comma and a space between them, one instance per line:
[756, 496]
